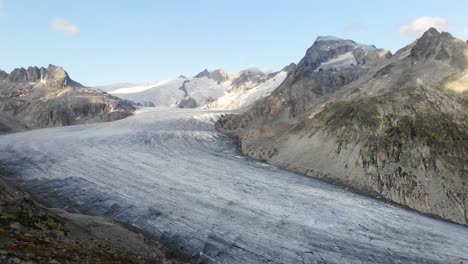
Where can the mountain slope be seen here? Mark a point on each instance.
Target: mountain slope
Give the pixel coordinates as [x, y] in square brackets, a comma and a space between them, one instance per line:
[40, 97]
[247, 89]
[395, 127]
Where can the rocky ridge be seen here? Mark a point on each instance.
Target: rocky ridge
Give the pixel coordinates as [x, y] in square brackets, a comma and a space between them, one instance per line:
[43, 97]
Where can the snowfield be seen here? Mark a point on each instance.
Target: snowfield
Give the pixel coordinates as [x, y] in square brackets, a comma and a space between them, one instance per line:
[169, 172]
[241, 99]
[168, 93]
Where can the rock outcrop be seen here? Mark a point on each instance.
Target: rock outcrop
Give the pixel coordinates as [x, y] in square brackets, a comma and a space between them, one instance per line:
[187, 102]
[388, 126]
[40, 97]
[219, 75]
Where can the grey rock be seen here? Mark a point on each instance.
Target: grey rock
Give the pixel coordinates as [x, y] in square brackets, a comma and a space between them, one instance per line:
[188, 102]
[204, 73]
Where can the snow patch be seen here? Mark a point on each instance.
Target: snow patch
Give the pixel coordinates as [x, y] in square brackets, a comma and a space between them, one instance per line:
[242, 99]
[139, 88]
[343, 61]
[328, 38]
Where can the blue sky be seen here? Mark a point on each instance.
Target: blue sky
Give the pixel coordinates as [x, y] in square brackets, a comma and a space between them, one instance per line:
[101, 42]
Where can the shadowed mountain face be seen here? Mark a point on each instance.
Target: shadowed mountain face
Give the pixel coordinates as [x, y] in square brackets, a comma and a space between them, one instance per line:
[40, 97]
[390, 126]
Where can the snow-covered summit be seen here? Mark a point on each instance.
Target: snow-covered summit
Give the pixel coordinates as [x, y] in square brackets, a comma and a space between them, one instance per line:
[333, 53]
[328, 38]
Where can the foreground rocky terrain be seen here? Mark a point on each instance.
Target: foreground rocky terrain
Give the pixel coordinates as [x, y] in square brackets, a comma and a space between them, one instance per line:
[170, 173]
[388, 126]
[31, 233]
[39, 97]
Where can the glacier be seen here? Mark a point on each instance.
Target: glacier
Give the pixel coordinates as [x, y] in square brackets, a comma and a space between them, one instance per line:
[169, 172]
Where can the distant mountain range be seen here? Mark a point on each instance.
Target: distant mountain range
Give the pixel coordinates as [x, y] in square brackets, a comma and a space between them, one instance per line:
[391, 126]
[214, 89]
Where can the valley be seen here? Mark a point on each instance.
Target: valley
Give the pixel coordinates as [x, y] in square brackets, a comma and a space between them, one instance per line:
[169, 172]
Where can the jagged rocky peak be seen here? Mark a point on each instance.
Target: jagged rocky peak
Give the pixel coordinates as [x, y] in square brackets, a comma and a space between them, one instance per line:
[441, 46]
[328, 52]
[53, 76]
[57, 77]
[22, 75]
[218, 75]
[204, 73]
[56, 73]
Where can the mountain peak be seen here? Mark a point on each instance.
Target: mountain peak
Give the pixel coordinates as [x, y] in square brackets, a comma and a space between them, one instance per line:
[204, 73]
[219, 75]
[57, 77]
[338, 53]
[53, 76]
[441, 46]
[432, 31]
[56, 72]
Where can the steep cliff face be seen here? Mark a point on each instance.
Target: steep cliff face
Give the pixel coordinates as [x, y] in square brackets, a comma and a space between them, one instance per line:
[396, 129]
[40, 97]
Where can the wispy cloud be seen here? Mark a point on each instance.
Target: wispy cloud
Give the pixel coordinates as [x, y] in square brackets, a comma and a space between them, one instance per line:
[256, 69]
[419, 25]
[355, 27]
[64, 26]
[465, 31]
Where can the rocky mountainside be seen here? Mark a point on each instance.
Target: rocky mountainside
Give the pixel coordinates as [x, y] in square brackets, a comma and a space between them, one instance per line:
[44, 97]
[389, 126]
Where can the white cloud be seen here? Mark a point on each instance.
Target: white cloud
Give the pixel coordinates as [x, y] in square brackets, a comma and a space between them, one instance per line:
[465, 31]
[420, 25]
[62, 25]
